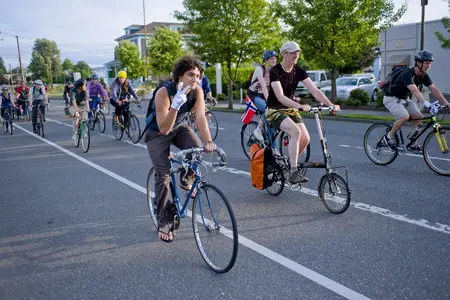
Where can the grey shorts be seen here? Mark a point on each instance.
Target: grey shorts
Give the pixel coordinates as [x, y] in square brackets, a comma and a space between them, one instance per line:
[400, 107]
[84, 114]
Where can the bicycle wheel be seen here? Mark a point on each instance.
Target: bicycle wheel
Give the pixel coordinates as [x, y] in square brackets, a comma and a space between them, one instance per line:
[275, 173]
[333, 190]
[374, 146]
[40, 125]
[151, 200]
[284, 151]
[437, 158]
[85, 136]
[10, 127]
[117, 129]
[215, 228]
[247, 138]
[134, 130]
[213, 124]
[106, 108]
[101, 121]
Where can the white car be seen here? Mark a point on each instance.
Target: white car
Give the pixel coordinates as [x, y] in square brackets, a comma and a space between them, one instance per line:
[345, 85]
[368, 75]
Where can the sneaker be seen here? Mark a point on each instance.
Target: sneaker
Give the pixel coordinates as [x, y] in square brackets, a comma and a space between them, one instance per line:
[257, 133]
[389, 142]
[415, 148]
[297, 177]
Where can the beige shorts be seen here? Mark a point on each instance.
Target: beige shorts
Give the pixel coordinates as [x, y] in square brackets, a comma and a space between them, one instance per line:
[400, 107]
[84, 114]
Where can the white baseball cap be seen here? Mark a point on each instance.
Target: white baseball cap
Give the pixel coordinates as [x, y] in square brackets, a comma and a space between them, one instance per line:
[290, 47]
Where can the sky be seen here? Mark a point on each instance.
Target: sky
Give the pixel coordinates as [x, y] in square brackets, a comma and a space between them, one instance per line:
[86, 29]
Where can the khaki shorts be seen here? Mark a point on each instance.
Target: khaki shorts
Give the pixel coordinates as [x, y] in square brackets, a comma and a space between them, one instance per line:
[277, 116]
[84, 115]
[400, 107]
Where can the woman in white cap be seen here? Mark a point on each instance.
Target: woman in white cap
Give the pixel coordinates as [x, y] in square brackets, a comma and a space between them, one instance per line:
[37, 98]
[283, 113]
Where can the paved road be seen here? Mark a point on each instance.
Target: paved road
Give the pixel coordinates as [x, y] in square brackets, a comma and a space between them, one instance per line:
[76, 226]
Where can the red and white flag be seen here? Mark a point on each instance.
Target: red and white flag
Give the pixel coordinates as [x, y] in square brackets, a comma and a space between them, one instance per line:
[249, 112]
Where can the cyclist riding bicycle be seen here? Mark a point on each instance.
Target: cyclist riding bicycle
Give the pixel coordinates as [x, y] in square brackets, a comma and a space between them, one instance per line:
[6, 103]
[259, 89]
[121, 91]
[66, 94]
[206, 87]
[37, 98]
[397, 96]
[95, 90]
[173, 102]
[78, 97]
[283, 113]
[22, 92]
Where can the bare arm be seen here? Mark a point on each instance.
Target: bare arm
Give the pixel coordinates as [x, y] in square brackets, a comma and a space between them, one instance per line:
[438, 95]
[278, 90]
[413, 88]
[165, 115]
[263, 85]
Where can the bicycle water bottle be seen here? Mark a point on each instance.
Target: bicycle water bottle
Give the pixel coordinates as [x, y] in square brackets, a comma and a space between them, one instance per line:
[414, 133]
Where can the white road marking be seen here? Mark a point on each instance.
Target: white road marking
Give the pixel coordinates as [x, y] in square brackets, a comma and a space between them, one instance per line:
[278, 258]
[443, 228]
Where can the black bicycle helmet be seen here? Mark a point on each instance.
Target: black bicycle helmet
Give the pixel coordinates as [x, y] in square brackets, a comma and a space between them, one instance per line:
[268, 54]
[423, 56]
[94, 77]
[79, 83]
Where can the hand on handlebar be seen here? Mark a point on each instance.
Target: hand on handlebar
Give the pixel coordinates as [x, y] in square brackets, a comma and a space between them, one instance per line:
[304, 107]
[210, 146]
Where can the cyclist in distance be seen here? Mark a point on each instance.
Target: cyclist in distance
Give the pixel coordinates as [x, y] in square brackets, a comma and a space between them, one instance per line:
[283, 113]
[173, 101]
[259, 89]
[22, 92]
[206, 87]
[121, 90]
[78, 97]
[95, 90]
[37, 98]
[397, 96]
[6, 102]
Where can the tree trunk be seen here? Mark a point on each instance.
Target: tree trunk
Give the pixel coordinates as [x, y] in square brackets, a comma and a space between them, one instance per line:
[230, 86]
[333, 84]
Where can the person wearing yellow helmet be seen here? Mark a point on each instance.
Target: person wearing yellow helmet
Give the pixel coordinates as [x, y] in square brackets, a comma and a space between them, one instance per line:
[121, 91]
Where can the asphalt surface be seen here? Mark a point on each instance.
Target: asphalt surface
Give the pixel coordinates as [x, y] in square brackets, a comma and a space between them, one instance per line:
[77, 226]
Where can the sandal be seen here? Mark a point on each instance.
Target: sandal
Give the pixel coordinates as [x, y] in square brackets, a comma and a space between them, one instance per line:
[188, 188]
[167, 229]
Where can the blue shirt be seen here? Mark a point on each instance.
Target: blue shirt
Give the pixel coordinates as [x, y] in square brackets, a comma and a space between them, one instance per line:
[205, 85]
[6, 102]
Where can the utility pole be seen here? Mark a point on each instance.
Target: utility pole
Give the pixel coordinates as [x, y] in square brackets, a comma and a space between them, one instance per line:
[422, 23]
[20, 58]
[145, 43]
[10, 77]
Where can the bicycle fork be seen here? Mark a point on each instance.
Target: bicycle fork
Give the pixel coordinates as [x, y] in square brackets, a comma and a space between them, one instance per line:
[440, 137]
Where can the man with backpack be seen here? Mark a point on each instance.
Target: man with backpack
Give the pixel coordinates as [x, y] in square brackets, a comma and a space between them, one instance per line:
[37, 99]
[400, 84]
[258, 90]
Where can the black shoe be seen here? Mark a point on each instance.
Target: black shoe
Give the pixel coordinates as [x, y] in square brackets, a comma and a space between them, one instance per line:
[297, 177]
[389, 142]
[416, 149]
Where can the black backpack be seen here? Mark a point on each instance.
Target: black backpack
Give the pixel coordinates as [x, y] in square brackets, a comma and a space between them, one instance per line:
[388, 83]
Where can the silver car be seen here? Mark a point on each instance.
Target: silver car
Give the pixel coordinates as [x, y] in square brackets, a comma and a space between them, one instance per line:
[345, 85]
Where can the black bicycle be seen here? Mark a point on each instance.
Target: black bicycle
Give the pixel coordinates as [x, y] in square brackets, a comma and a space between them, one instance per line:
[39, 118]
[131, 127]
[435, 149]
[98, 117]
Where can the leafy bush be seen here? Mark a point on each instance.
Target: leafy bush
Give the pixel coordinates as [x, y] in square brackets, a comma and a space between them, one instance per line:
[379, 100]
[220, 97]
[353, 102]
[236, 94]
[358, 96]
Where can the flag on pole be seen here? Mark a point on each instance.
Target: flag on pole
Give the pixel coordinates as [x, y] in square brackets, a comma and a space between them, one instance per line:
[249, 112]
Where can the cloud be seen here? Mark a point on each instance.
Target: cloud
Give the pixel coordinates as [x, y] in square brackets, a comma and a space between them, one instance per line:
[83, 30]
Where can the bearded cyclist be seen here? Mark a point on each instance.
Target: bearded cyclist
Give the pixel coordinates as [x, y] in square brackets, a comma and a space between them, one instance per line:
[397, 96]
[121, 91]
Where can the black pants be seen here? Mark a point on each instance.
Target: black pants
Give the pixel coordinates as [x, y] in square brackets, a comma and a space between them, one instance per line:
[38, 104]
[120, 109]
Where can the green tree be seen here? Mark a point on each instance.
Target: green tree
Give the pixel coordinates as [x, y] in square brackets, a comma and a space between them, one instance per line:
[83, 68]
[165, 48]
[2, 67]
[445, 41]
[128, 55]
[45, 60]
[337, 33]
[67, 65]
[231, 32]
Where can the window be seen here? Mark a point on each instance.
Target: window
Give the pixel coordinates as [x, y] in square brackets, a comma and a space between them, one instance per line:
[322, 77]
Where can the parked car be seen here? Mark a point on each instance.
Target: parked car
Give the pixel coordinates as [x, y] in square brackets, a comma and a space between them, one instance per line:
[319, 77]
[345, 85]
[368, 75]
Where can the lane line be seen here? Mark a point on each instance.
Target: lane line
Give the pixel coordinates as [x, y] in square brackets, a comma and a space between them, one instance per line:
[443, 228]
[278, 258]
[406, 154]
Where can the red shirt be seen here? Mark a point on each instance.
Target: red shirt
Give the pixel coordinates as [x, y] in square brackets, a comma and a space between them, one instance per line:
[22, 93]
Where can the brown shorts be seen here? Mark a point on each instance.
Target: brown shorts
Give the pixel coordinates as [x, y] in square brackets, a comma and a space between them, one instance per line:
[276, 122]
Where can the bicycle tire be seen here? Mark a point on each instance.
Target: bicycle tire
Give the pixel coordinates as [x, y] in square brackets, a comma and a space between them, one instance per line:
[107, 107]
[334, 181]
[117, 130]
[134, 129]
[247, 138]
[373, 145]
[275, 172]
[85, 136]
[431, 156]
[101, 121]
[213, 124]
[284, 142]
[40, 125]
[11, 127]
[206, 224]
[151, 200]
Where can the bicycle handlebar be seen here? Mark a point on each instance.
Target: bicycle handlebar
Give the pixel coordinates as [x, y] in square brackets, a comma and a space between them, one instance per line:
[181, 155]
[314, 109]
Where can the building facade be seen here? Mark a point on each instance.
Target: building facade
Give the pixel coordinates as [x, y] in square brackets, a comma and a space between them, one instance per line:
[138, 35]
[399, 44]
